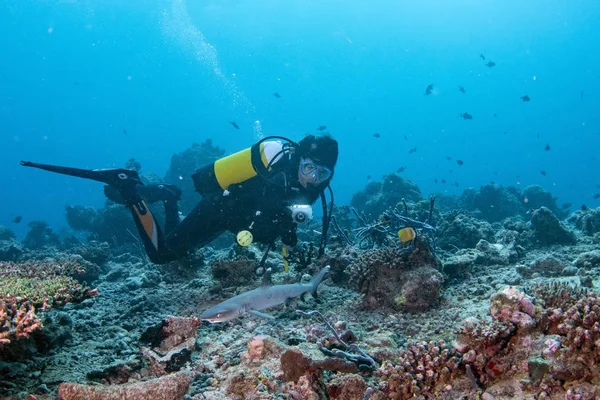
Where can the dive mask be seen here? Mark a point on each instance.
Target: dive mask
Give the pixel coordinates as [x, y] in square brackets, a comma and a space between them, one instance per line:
[316, 173]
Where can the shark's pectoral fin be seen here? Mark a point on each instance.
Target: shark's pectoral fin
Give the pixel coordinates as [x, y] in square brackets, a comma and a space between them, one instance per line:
[288, 301]
[261, 315]
[303, 296]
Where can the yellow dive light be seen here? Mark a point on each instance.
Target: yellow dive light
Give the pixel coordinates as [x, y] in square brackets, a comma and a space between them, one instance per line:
[244, 238]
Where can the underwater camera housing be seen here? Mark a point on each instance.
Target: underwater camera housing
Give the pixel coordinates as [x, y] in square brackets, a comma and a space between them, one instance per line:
[301, 213]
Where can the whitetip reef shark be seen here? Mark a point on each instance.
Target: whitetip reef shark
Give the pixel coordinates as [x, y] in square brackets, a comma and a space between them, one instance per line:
[265, 296]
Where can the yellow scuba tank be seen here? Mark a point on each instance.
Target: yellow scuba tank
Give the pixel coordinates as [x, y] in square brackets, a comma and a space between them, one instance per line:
[237, 167]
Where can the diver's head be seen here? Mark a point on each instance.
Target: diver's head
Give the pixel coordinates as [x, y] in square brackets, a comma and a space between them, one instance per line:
[316, 157]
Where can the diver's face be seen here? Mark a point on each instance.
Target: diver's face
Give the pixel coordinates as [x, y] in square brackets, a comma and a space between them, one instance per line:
[310, 172]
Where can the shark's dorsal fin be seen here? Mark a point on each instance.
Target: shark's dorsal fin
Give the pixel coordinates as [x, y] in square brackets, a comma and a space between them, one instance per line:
[266, 281]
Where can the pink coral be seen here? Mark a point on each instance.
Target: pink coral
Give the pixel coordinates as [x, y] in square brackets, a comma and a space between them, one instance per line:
[423, 368]
[514, 306]
[581, 327]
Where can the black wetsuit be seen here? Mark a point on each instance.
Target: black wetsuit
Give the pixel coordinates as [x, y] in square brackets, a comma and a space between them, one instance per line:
[257, 203]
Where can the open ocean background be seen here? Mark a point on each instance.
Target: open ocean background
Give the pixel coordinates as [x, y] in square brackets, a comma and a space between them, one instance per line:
[75, 75]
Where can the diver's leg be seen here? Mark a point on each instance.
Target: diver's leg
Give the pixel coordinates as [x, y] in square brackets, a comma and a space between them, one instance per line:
[148, 228]
[124, 185]
[202, 225]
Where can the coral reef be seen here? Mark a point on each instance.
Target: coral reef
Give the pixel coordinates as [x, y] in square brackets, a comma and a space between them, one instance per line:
[493, 202]
[535, 196]
[402, 278]
[459, 265]
[546, 265]
[10, 250]
[6, 234]
[457, 230]
[380, 196]
[35, 285]
[423, 369]
[40, 235]
[548, 229]
[111, 224]
[588, 221]
[230, 272]
[515, 313]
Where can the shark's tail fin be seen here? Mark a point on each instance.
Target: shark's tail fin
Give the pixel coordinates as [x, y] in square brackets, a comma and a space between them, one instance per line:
[316, 280]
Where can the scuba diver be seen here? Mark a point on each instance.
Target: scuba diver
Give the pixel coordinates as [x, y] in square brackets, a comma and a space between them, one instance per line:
[260, 194]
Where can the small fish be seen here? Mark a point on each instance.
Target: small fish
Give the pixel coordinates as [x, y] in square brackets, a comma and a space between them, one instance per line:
[465, 115]
[543, 173]
[448, 158]
[376, 135]
[321, 128]
[598, 185]
[17, 219]
[443, 181]
[505, 132]
[277, 95]
[490, 64]
[582, 95]
[435, 180]
[584, 207]
[413, 150]
[537, 136]
[401, 169]
[406, 234]
[495, 115]
[596, 196]
[456, 184]
[482, 57]
[368, 177]
[547, 148]
[462, 89]
[234, 125]
[428, 89]
[405, 138]
[124, 132]
[460, 162]
[525, 98]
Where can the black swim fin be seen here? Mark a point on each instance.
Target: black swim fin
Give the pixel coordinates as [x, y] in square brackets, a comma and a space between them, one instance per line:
[123, 180]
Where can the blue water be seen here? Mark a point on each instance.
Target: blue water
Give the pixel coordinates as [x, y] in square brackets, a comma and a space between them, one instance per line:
[75, 74]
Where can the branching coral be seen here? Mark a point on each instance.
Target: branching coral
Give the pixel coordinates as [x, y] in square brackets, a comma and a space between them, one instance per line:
[558, 294]
[580, 328]
[480, 341]
[422, 368]
[35, 285]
